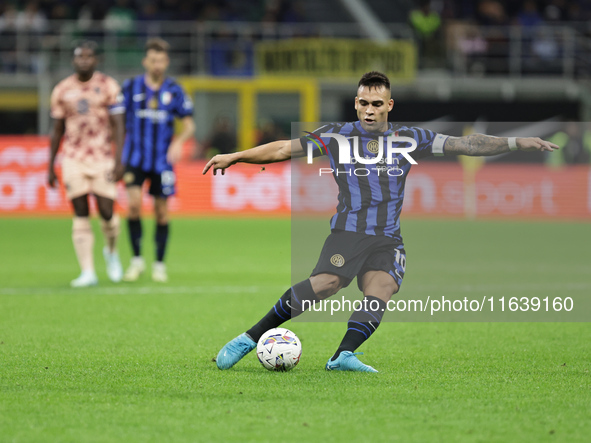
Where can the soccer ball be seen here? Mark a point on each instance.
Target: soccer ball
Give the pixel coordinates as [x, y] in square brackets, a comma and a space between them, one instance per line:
[279, 349]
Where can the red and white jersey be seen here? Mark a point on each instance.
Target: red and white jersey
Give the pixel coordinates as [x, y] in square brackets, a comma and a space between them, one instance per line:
[86, 106]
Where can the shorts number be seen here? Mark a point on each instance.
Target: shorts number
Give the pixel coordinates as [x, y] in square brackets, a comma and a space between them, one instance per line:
[401, 260]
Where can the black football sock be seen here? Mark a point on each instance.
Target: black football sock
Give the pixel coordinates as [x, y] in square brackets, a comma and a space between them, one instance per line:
[362, 324]
[135, 235]
[296, 300]
[161, 239]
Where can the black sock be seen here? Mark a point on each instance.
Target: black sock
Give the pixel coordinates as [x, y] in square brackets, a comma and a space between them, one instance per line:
[161, 238]
[362, 324]
[290, 305]
[135, 235]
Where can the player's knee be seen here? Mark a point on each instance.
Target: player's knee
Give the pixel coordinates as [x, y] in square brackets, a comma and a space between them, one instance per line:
[133, 210]
[381, 286]
[80, 206]
[161, 219]
[106, 213]
[81, 211]
[105, 208]
[161, 211]
[326, 285]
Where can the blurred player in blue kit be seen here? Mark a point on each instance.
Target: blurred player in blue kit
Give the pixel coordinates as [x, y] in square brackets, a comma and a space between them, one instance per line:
[152, 102]
[365, 240]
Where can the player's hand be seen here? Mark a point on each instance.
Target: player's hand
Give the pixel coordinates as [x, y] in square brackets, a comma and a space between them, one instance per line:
[175, 152]
[118, 172]
[219, 162]
[535, 144]
[52, 178]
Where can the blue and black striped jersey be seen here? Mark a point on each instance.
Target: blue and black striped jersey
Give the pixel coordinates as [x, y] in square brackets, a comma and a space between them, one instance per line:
[370, 196]
[149, 122]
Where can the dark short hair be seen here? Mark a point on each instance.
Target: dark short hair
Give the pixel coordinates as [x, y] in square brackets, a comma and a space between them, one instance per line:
[157, 44]
[85, 44]
[374, 79]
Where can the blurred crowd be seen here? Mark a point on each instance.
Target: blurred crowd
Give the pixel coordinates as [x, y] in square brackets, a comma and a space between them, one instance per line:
[29, 28]
[222, 138]
[474, 36]
[450, 34]
[523, 12]
[122, 14]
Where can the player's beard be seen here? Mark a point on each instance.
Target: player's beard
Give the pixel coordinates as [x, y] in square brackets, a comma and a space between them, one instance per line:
[157, 76]
[85, 74]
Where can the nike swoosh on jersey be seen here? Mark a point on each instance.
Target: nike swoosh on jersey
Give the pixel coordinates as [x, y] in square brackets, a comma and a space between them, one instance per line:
[138, 97]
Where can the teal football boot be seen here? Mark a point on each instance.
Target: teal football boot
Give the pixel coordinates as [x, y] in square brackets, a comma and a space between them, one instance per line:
[347, 361]
[234, 350]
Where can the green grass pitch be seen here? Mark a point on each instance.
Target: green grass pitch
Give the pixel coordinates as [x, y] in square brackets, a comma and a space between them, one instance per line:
[133, 362]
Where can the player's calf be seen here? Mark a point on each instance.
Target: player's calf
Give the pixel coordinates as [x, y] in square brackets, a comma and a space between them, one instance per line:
[291, 304]
[361, 325]
[110, 230]
[83, 239]
[379, 284]
[135, 235]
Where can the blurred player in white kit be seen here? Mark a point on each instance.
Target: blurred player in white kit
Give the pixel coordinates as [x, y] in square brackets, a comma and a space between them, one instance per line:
[87, 111]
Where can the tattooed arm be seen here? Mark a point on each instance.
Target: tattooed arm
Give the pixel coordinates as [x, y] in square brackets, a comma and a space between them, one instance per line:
[480, 144]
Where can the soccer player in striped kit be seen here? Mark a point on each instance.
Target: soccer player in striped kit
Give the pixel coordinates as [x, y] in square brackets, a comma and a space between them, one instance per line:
[365, 240]
[153, 100]
[84, 107]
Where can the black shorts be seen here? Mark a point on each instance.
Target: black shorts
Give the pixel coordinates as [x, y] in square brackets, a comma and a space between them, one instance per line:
[161, 185]
[351, 254]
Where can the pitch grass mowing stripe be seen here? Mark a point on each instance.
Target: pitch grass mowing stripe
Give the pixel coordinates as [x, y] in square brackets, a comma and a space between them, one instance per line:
[131, 290]
[137, 367]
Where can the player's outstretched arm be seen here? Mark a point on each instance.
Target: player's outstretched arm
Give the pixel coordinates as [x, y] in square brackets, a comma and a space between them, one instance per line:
[480, 144]
[175, 150]
[273, 152]
[57, 132]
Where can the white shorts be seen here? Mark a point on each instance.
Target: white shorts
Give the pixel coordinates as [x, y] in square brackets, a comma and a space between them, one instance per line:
[82, 178]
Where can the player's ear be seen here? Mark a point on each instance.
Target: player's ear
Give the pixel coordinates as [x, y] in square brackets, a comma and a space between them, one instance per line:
[356, 102]
[390, 104]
